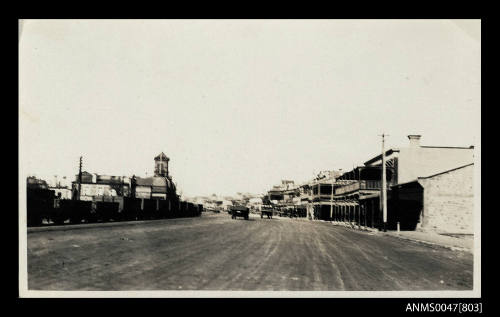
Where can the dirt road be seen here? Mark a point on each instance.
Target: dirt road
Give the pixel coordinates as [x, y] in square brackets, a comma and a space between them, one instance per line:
[214, 252]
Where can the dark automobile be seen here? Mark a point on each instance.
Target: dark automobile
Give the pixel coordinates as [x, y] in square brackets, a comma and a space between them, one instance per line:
[266, 210]
[239, 211]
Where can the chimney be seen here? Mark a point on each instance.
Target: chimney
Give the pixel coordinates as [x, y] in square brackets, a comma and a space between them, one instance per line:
[414, 140]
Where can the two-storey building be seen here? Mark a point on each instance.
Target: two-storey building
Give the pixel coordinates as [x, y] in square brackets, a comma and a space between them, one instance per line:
[358, 192]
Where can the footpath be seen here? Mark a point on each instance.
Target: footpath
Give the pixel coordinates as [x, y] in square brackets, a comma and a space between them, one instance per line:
[454, 242]
[459, 242]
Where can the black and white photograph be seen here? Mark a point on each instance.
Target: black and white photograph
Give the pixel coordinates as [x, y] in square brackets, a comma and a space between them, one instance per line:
[268, 158]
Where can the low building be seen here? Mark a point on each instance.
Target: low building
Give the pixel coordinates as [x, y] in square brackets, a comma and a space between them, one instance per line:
[94, 186]
[152, 187]
[159, 186]
[443, 202]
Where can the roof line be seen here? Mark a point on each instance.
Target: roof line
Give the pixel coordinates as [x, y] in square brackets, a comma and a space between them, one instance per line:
[405, 183]
[449, 147]
[425, 177]
[376, 158]
[447, 171]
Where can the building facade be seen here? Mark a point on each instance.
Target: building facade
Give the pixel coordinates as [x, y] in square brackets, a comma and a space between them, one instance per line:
[282, 197]
[153, 187]
[94, 186]
[358, 192]
[159, 186]
[443, 202]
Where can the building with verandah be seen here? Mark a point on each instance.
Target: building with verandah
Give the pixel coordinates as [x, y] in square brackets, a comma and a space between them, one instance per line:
[358, 192]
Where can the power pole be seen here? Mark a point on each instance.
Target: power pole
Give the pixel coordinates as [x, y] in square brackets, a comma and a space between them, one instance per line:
[384, 184]
[79, 178]
[331, 196]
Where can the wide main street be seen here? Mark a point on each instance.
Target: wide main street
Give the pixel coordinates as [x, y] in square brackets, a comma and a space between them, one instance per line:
[215, 252]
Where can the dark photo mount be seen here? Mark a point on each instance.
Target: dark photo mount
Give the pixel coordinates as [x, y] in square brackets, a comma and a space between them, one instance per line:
[303, 305]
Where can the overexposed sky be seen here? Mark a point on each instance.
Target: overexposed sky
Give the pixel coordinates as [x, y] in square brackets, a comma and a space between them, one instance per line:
[238, 105]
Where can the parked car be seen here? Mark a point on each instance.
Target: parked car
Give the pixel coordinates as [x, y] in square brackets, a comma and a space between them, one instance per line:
[239, 211]
[266, 210]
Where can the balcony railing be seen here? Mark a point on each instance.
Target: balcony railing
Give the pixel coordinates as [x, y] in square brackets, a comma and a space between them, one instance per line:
[361, 185]
[347, 188]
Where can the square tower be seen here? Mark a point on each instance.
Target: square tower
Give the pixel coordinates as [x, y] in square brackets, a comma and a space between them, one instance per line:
[161, 165]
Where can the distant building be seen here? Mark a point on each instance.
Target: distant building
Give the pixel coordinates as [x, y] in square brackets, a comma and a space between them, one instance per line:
[305, 200]
[284, 198]
[35, 183]
[225, 204]
[153, 187]
[287, 184]
[255, 203]
[61, 192]
[158, 186]
[283, 194]
[320, 198]
[95, 185]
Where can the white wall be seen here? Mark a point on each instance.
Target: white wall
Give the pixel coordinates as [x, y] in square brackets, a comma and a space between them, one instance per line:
[417, 162]
[143, 192]
[449, 201]
[97, 190]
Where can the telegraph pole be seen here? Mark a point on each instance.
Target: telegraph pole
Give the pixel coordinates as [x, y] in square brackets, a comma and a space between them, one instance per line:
[384, 185]
[331, 196]
[79, 178]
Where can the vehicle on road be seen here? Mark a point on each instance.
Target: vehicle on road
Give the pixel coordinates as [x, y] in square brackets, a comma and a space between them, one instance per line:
[239, 211]
[288, 211]
[266, 210]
